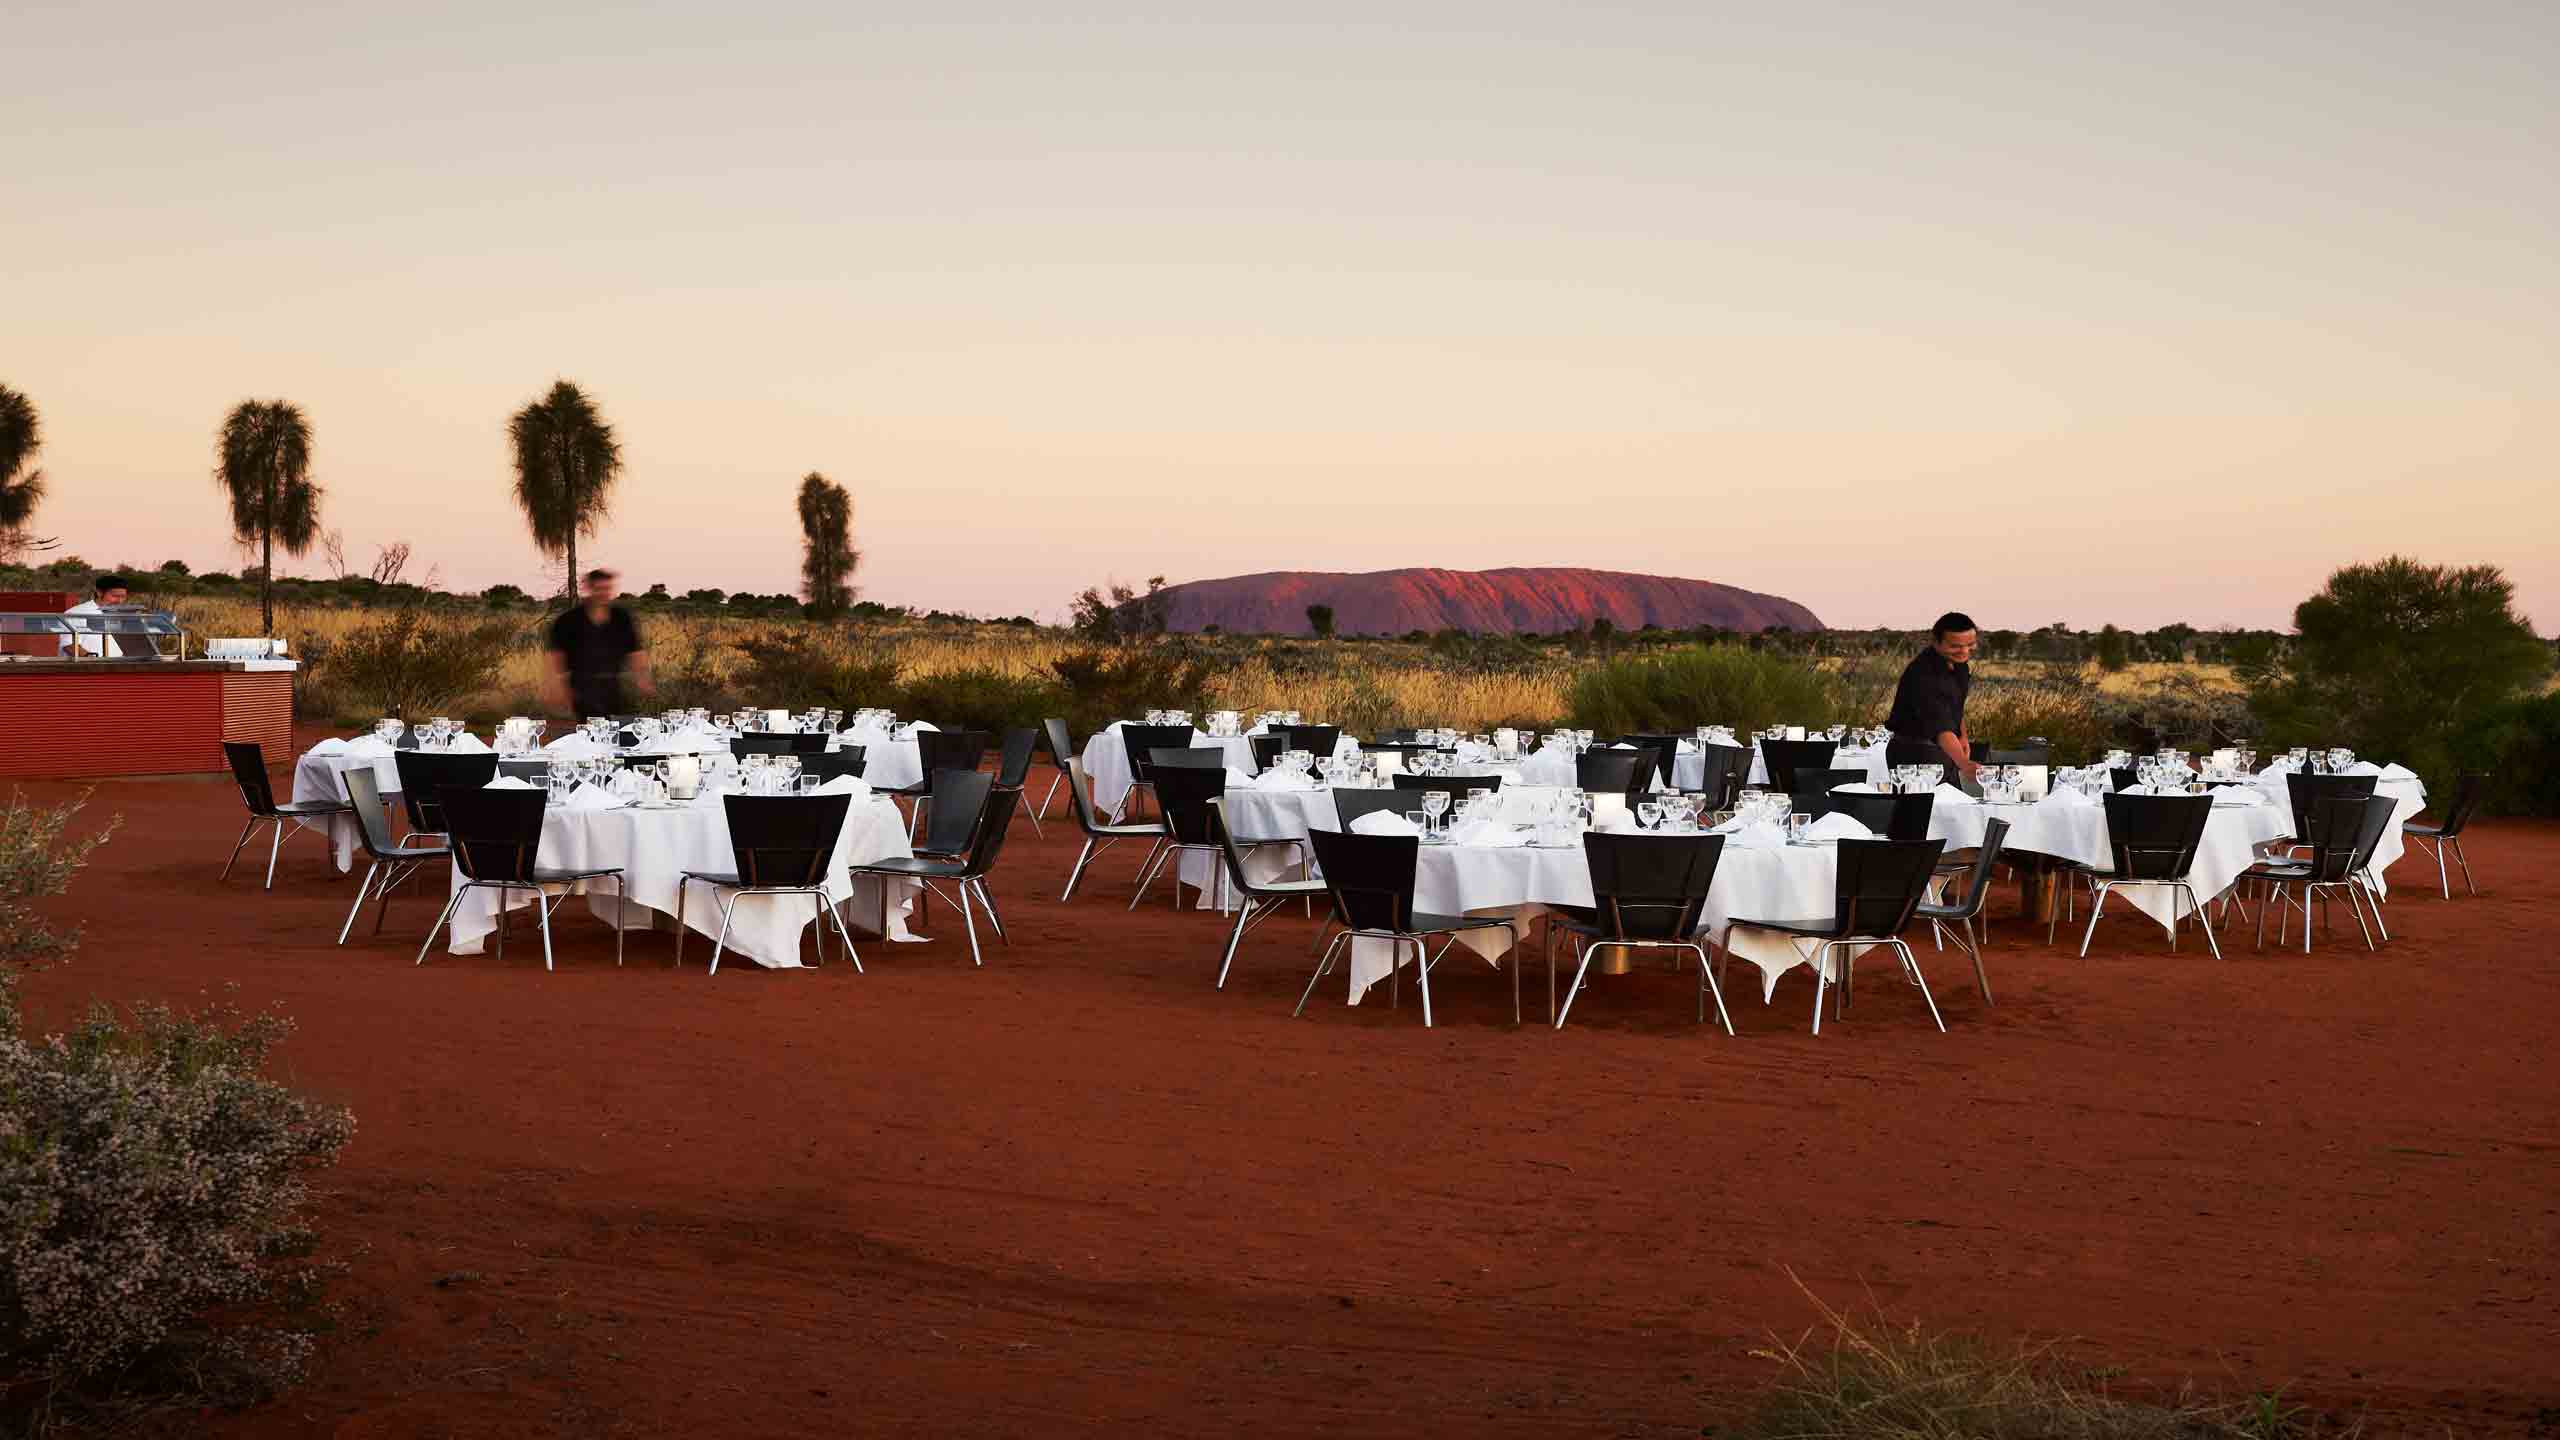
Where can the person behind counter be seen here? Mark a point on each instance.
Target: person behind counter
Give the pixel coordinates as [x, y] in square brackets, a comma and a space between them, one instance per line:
[104, 591]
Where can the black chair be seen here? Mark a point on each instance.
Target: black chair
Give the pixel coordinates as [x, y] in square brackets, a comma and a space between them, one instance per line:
[782, 845]
[1648, 892]
[1666, 754]
[1814, 793]
[1260, 898]
[1013, 765]
[1452, 786]
[1184, 793]
[1137, 741]
[1895, 817]
[532, 772]
[937, 751]
[1350, 804]
[497, 840]
[826, 765]
[2030, 754]
[952, 802]
[1099, 836]
[1721, 771]
[249, 768]
[1615, 772]
[1316, 740]
[1266, 749]
[425, 775]
[1875, 897]
[968, 876]
[2448, 832]
[2153, 841]
[2342, 836]
[2308, 792]
[1188, 757]
[1920, 752]
[1061, 747]
[1783, 758]
[1962, 913]
[2125, 777]
[773, 742]
[388, 861]
[1369, 879]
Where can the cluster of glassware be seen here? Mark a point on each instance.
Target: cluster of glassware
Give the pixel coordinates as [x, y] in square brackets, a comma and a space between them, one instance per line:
[439, 732]
[1269, 718]
[872, 717]
[1180, 717]
[388, 729]
[773, 775]
[1350, 772]
[1576, 741]
[2093, 781]
[2334, 761]
[1671, 813]
[600, 730]
[519, 734]
[2231, 765]
[1716, 735]
[1225, 724]
[1809, 732]
[2167, 773]
[1914, 779]
[2000, 784]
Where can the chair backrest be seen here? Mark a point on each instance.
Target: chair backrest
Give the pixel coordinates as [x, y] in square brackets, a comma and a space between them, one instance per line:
[1013, 757]
[809, 742]
[1895, 817]
[1061, 744]
[1721, 770]
[1139, 739]
[1666, 753]
[373, 823]
[1612, 772]
[1452, 786]
[1880, 883]
[1187, 757]
[828, 764]
[1183, 792]
[959, 798]
[1316, 740]
[2153, 837]
[425, 776]
[1266, 749]
[1080, 795]
[2125, 777]
[496, 834]
[1370, 877]
[1995, 833]
[2021, 755]
[1651, 887]
[2307, 791]
[950, 749]
[764, 742]
[1919, 752]
[1350, 804]
[2337, 824]
[784, 839]
[535, 772]
[249, 769]
[2378, 810]
[993, 822]
[1785, 757]
[2466, 798]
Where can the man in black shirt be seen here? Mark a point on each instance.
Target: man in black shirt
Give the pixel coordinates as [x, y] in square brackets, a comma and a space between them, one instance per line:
[591, 647]
[1928, 703]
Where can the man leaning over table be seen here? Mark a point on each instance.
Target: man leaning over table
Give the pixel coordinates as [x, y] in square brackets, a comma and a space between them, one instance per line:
[1928, 702]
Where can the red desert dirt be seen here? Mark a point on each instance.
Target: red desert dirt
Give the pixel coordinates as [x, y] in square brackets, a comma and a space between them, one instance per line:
[1080, 1191]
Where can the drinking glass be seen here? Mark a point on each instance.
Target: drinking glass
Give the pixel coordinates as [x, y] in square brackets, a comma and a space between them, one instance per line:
[1649, 814]
[1797, 824]
[1435, 803]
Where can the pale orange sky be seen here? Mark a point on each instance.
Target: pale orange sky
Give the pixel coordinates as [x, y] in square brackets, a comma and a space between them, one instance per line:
[2128, 316]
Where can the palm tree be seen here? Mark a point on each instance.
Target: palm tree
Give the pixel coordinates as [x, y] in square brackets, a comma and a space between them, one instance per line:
[21, 436]
[265, 465]
[827, 556]
[566, 462]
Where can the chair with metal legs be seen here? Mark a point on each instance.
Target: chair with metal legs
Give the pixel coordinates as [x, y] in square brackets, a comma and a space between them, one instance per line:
[1895, 817]
[1138, 742]
[389, 862]
[1961, 914]
[1370, 880]
[249, 769]
[424, 775]
[497, 842]
[1062, 750]
[968, 877]
[825, 765]
[782, 845]
[1875, 896]
[1258, 899]
[1184, 793]
[2153, 840]
[2447, 835]
[1013, 767]
[937, 751]
[1098, 836]
[1648, 892]
[2342, 836]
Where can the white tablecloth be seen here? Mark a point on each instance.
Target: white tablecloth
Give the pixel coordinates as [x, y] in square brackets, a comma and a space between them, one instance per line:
[315, 777]
[654, 847]
[1106, 762]
[888, 764]
[1847, 757]
[2408, 794]
[2079, 833]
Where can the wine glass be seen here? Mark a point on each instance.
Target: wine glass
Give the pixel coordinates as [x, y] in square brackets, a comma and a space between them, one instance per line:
[1649, 814]
[1435, 803]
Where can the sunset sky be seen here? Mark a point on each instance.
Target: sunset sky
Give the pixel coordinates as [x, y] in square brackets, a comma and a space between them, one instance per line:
[2079, 312]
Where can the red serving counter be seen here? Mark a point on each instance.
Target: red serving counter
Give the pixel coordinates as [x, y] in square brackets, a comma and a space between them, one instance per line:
[85, 719]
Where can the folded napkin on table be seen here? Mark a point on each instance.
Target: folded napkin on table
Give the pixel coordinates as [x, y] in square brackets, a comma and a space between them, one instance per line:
[1488, 834]
[331, 746]
[1238, 780]
[591, 797]
[2232, 795]
[508, 782]
[926, 725]
[1605, 808]
[2396, 771]
[1622, 745]
[1836, 826]
[576, 745]
[1950, 795]
[2063, 798]
[368, 745]
[2363, 767]
[467, 743]
[1755, 835]
[1278, 780]
[1383, 822]
[853, 785]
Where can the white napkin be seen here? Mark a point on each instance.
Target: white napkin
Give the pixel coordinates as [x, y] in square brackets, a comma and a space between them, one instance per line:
[1836, 826]
[2065, 798]
[1383, 822]
[576, 745]
[927, 725]
[1757, 835]
[1950, 795]
[2398, 772]
[1607, 808]
[853, 785]
[330, 746]
[1489, 834]
[1238, 780]
[1622, 745]
[1278, 780]
[2363, 767]
[591, 797]
[467, 743]
[368, 745]
[2229, 796]
[1862, 787]
[508, 782]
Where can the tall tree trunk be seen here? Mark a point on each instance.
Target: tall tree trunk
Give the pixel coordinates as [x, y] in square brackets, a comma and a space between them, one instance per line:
[267, 562]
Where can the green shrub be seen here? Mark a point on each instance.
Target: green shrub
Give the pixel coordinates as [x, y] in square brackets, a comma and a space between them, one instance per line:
[409, 662]
[1103, 685]
[1702, 685]
[2518, 748]
[2069, 717]
[35, 861]
[980, 699]
[800, 668]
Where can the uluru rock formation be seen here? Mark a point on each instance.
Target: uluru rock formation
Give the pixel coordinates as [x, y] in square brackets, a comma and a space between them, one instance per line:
[1539, 599]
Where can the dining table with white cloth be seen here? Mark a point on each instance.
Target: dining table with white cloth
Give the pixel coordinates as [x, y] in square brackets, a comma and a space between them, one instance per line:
[1106, 762]
[2407, 793]
[1870, 758]
[318, 775]
[888, 762]
[653, 847]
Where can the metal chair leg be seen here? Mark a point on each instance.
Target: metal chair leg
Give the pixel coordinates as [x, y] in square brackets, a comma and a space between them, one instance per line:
[1235, 937]
[1574, 991]
[2463, 859]
[542, 917]
[1911, 962]
[251, 828]
[988, 900]
[441, 917]
[2096, 904]
[1707, 986]
[621, 912]
[683, 884]
[1041, 811]
[274, 846]
[842, 934]
[364, 892]
[969, 919]
[1323, 964]
[2204, 922]
[728, 910]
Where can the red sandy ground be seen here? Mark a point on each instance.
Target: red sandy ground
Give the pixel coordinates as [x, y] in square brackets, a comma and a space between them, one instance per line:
[1080, 1191]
